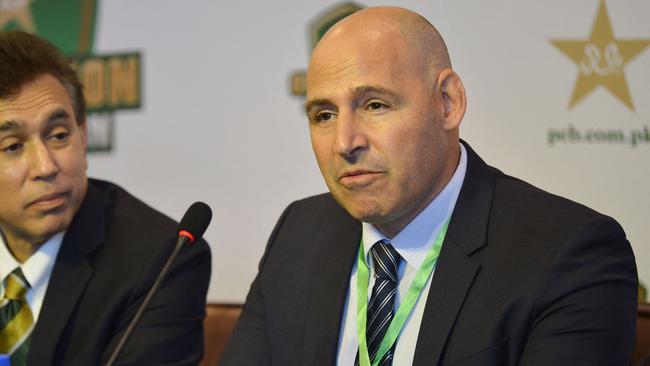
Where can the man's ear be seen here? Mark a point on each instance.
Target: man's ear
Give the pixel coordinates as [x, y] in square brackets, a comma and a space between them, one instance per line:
[453, 99]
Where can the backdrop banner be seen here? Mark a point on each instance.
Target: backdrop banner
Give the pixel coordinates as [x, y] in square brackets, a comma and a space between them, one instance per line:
[557, 95]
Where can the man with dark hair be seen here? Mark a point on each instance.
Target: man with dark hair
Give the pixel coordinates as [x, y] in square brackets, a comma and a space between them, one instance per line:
[24, 57]
[77, 255]
[422, 254]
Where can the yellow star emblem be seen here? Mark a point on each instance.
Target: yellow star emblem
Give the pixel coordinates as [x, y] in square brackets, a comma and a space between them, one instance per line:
[18, 11]
[601, 59]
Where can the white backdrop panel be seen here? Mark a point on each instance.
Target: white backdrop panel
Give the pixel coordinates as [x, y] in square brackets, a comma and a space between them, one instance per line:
[218, 123]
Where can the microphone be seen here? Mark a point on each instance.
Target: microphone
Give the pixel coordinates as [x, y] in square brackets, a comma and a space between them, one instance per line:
[192, 226]
[194, 222]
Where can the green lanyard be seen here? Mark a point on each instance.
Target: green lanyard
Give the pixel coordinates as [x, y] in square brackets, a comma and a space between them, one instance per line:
[405, 308]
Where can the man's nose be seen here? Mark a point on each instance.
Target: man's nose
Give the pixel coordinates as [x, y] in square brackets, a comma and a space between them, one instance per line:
[351, 139]
[42, 162]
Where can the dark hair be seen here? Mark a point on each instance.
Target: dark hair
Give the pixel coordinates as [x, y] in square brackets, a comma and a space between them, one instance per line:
[24, 57]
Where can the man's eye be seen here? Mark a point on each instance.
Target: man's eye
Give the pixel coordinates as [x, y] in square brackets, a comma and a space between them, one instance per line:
[59, 136]
[13, 148]
[323, 116]
[376, 106]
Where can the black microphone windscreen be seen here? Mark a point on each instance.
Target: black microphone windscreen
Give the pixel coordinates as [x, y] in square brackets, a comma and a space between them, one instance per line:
[196, 219]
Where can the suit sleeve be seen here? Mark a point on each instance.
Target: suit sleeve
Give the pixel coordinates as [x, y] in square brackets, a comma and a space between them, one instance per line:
[586, 310]
[249, 344]
[170, 331]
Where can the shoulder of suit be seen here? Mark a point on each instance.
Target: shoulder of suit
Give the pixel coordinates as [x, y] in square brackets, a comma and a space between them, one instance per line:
[526, 198]
[127, 213]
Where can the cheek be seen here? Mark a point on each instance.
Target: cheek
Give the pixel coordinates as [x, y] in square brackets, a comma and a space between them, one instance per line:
[414, 155]
[73, 159]
[11, 177]
[73, 164]
[321, 151]
[402, 146]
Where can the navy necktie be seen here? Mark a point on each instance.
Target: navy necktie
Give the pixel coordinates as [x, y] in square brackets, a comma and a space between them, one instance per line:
[381, 306]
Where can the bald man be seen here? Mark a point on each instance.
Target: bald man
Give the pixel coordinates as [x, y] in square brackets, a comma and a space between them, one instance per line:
[421, 253]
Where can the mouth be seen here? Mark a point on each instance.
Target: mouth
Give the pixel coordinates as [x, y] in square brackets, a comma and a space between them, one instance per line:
[50, 201]
[359, 178]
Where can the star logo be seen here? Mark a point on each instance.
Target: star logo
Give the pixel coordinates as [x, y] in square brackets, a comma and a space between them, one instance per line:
[18, 11]
[601, 59]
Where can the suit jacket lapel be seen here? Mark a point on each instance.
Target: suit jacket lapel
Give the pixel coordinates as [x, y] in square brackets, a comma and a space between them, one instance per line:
[69, 278]
[455, 271]
[330, 279]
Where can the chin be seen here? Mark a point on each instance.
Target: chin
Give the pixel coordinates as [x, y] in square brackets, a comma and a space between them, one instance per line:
[57, 225]
[366, 213]
[363, 207]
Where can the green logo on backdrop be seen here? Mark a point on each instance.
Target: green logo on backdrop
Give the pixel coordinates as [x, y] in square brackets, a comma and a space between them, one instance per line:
[317, 28]
[111, 82]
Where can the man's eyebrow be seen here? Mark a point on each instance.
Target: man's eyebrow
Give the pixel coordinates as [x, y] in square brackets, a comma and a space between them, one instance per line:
[13, 125]
[357, 92]
[372, 89]
[9, 126]
[315, 102]
[57, 115]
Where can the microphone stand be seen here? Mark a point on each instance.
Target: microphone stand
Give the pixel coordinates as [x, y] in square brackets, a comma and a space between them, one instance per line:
[182, 240]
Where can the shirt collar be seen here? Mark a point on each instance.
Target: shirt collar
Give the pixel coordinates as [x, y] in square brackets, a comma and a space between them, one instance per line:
[37, 267]
[7, 261]
[415, 240]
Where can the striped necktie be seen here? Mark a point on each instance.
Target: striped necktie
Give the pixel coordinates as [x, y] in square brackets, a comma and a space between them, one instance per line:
[16, 320]
[382, 300]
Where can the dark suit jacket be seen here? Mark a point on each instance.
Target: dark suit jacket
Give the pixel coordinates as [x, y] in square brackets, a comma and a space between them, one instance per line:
[524, 278]
[109, 258]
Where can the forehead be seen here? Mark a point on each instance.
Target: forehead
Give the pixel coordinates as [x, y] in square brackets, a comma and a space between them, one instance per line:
[339, 67]
[35, 100]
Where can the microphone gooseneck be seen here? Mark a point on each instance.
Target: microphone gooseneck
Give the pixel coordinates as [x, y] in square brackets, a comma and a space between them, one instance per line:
[191, 228]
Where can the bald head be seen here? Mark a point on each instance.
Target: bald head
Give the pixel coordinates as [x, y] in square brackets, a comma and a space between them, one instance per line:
[384, 27]
[384, 108]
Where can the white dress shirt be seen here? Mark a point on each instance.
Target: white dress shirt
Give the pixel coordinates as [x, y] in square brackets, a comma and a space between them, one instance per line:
[412, 243]
[37, 270]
